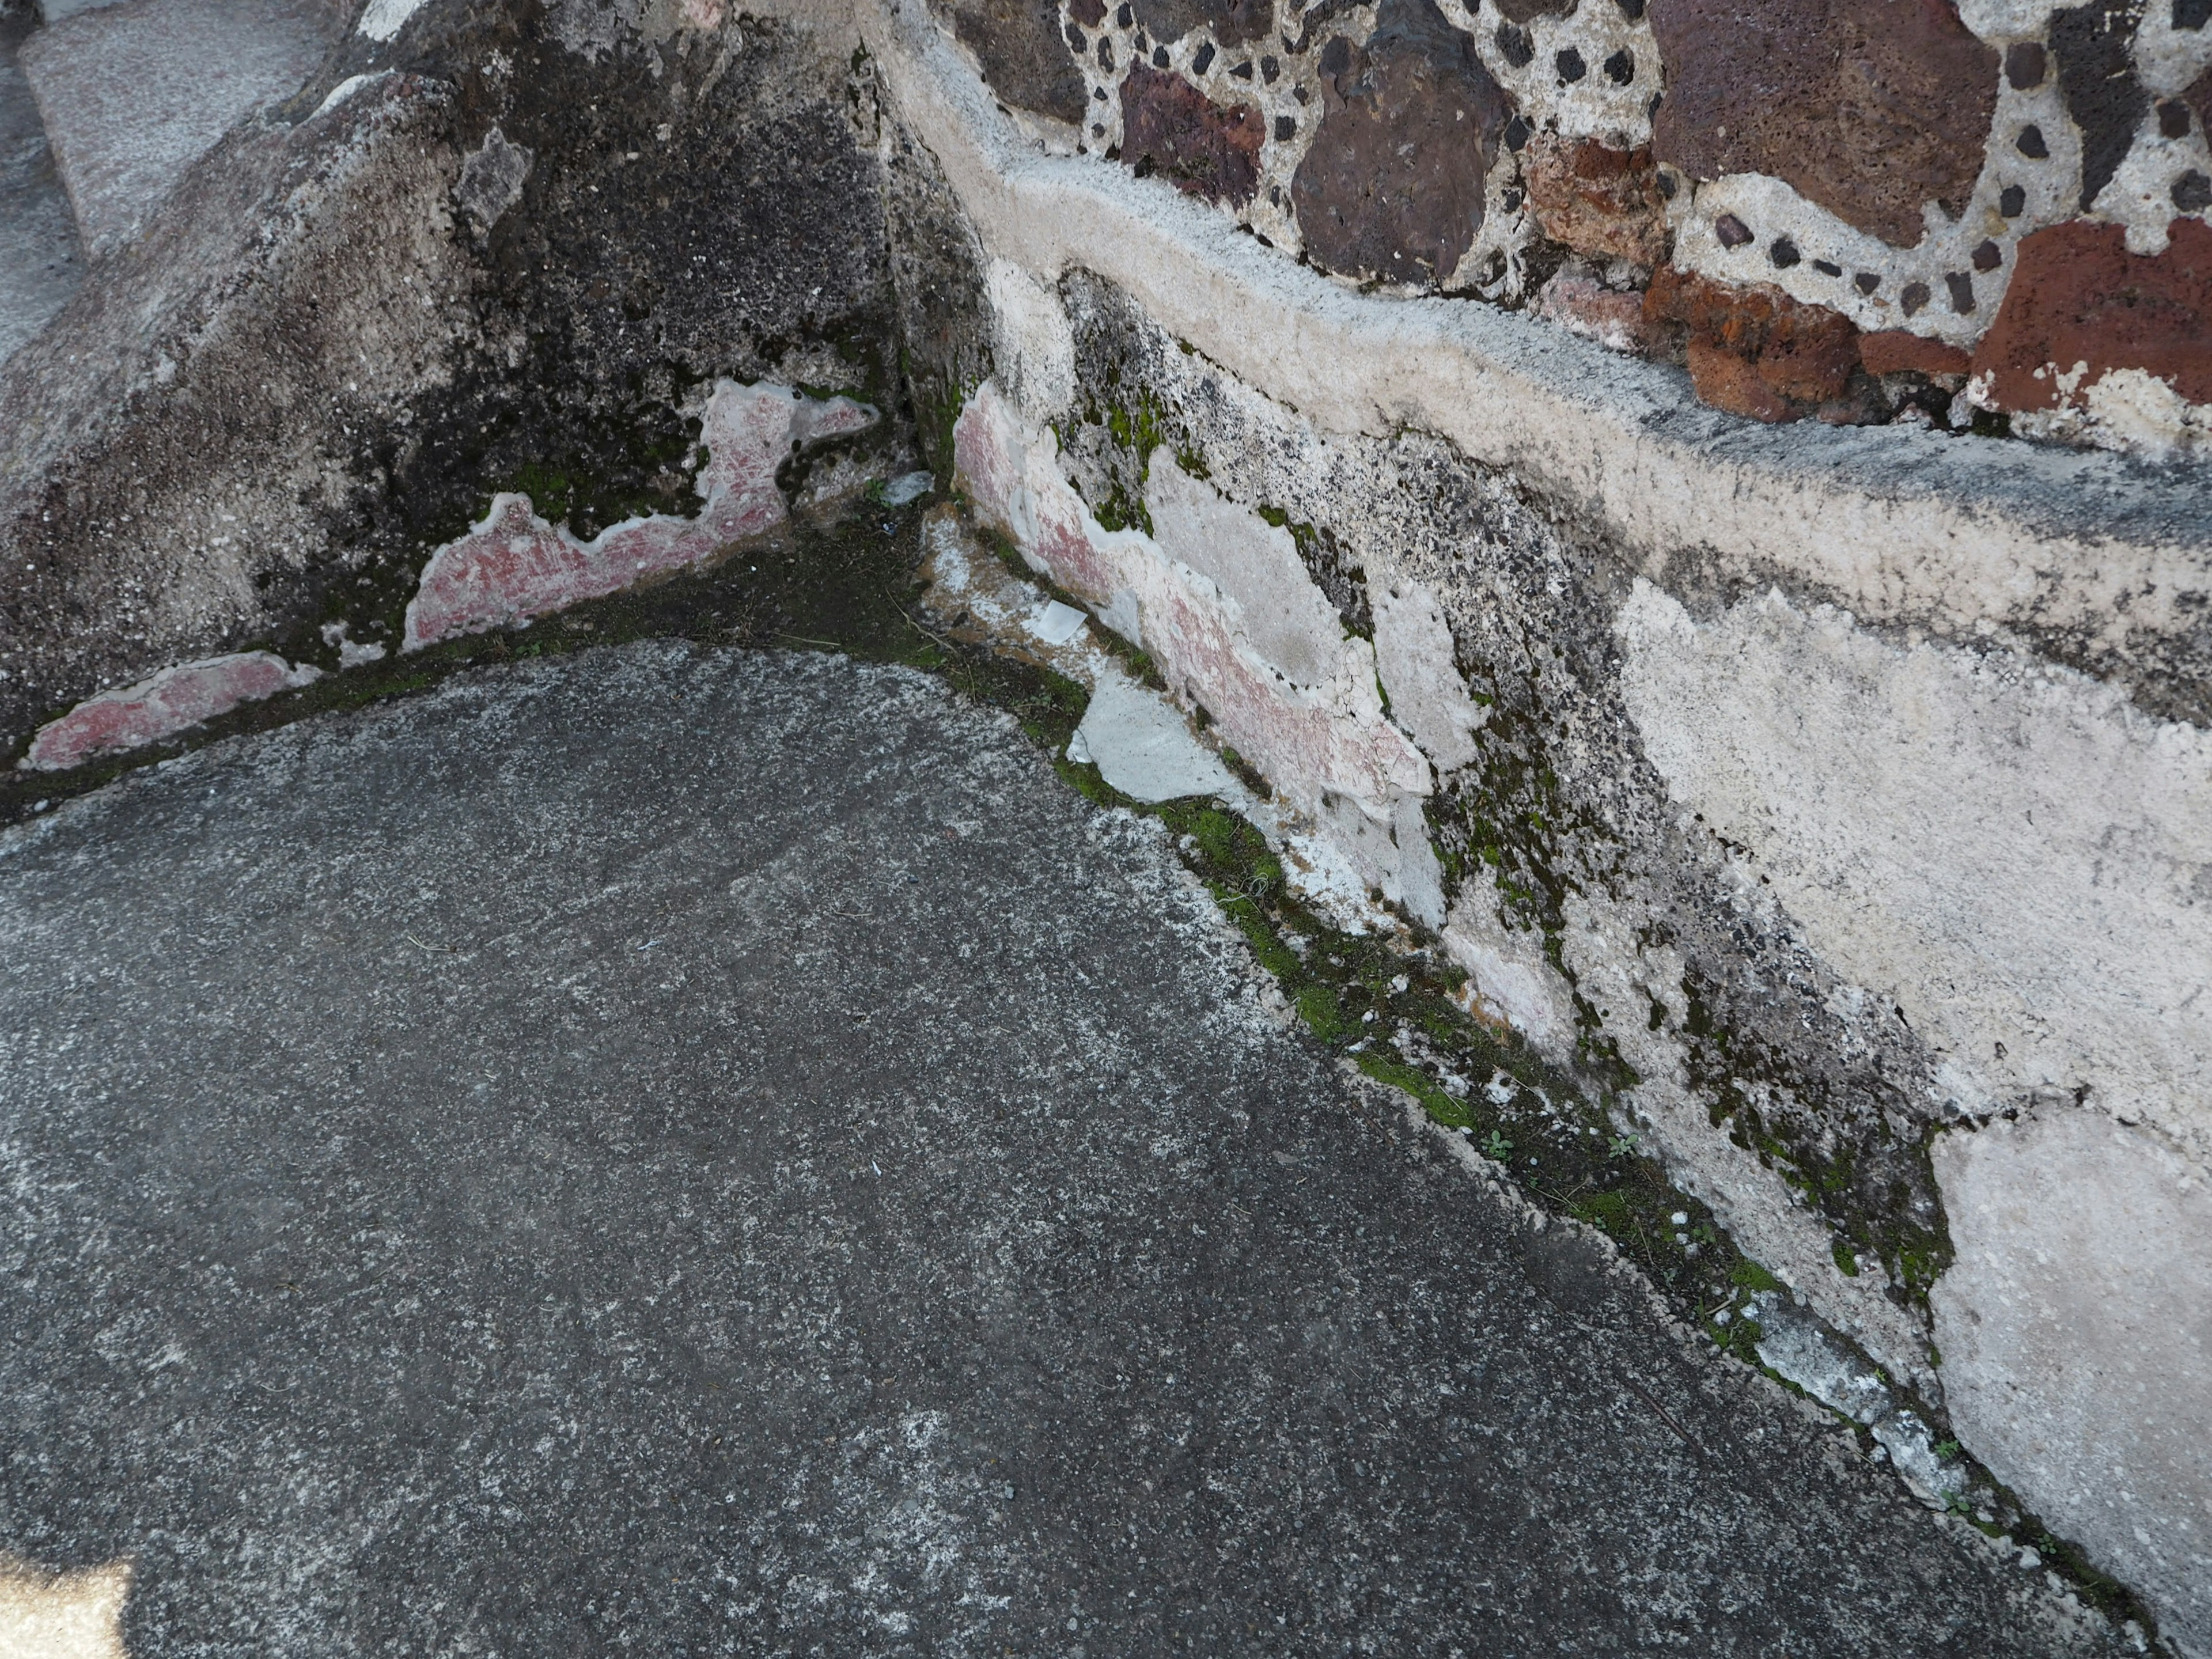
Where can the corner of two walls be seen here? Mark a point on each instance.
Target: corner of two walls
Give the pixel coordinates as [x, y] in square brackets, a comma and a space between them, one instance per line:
[1870, 868]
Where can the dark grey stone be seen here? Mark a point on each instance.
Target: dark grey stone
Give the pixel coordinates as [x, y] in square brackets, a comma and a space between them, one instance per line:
[41, 264]
[723, 1153]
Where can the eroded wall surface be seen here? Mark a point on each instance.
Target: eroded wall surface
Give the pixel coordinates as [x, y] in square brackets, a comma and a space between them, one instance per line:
[1833, 790]
[1732, 565]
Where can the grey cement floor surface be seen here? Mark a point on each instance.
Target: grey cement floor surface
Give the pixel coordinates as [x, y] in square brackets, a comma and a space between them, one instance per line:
[701, 1153]
[134, 93]
[40, 263]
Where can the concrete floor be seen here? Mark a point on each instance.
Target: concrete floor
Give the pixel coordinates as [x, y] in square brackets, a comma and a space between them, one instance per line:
[697, 1151]
[40, 263]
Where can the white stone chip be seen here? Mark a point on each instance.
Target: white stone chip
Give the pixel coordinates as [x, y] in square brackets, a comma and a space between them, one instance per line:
[1057, 624]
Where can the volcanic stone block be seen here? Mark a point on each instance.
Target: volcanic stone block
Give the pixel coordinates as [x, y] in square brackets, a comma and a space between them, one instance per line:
[1871, 108]
[1599, 201]
[1393, 185]
[2082, 307]
[2096, 71]
[1024, 57]
[1198, 145]
[1755, 352]
[1231, 22]
[1899, 351]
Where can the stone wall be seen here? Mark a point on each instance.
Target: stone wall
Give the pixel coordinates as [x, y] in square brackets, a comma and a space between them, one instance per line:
[1833, 791]
[1608, 468]
[1861, 211]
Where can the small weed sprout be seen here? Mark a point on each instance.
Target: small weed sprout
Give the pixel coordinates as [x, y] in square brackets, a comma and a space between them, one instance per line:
[1622, 1146]
[1497, 1147]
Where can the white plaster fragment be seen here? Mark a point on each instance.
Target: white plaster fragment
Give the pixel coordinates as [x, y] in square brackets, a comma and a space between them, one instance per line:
[1511, 983]
[2075, 1325]
[2008, 851]
[1142, 744]
[906, 488]
[491, 179]
[62, 1615]
[1797, 1346]
[345, 89]
[385, 18]
[1034, 348]
[1417, 659]
[1056, 623]
[1256, 567]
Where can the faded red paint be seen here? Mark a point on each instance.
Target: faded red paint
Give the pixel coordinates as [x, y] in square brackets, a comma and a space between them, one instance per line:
[514, 565]
[177, 698]
[1309, 744]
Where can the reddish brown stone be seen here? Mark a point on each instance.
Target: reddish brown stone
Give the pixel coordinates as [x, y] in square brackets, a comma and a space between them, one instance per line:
[1089, 13]
[1869, 107]
[2078, 297]
[1899, 350]
[1169, 127]
[1018, 43]
[1231, 22]
[1393, 185]
[1520, 11]
[1603, 202]
[1733, 383]
[1783, 358]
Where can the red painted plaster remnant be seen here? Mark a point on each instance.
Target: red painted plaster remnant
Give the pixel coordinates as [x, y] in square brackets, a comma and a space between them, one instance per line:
[177, 698]
[1199, 146]
[1603, 202]
[1871, 108]
[1755, 352]
[1334, 740]
[2082, 307]
[514, 565]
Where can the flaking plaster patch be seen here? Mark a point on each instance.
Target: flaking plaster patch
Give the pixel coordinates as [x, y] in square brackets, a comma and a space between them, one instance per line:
[1312, 742]
[1416, 657]
[514, 565]
[384, 19]
[1263, 583]
[2008, 850]
[1510, 981]
[1033, 349]
[2076, 1326]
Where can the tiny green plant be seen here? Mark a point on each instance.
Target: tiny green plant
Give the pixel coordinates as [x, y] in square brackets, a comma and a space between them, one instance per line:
[1497, 1147]
[1947, 1449]
[1622, 1146]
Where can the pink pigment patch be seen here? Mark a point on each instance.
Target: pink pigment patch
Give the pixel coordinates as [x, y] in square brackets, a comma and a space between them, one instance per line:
[514, 565]
[132, 716]
[1308, 747]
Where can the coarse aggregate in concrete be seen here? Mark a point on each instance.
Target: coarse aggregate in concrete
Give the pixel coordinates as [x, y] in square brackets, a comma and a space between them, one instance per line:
[722, 1152]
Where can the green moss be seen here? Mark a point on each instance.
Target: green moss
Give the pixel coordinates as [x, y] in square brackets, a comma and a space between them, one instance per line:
[1752, 1277]
[1452, 1114]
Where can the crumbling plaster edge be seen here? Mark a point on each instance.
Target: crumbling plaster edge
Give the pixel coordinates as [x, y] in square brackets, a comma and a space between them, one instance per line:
[1897, 526]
